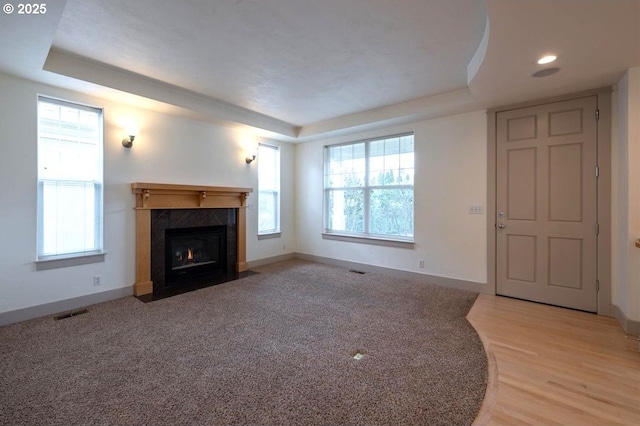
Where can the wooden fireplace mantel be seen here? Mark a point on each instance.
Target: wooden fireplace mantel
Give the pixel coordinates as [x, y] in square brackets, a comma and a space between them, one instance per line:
[169, 196]
[150, 196]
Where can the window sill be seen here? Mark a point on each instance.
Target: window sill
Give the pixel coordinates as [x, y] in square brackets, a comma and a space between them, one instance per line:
[269, 236]
[55, 262]
[387, 242]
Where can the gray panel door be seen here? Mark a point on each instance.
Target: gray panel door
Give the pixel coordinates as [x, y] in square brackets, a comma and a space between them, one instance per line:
[546, 242]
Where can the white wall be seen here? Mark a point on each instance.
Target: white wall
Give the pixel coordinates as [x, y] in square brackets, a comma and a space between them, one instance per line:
[168, 149]
[450, 176]
[626, 195]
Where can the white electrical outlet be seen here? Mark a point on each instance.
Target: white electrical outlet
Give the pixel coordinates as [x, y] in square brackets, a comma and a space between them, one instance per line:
[97, 280]
[421, 263]
[476, 209]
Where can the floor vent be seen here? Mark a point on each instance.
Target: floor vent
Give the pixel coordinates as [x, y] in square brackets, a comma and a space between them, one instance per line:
[71, 314]
[357, 272]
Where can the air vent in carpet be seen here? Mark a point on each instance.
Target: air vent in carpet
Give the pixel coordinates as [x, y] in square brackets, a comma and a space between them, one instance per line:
[357, 272]
[71, 314]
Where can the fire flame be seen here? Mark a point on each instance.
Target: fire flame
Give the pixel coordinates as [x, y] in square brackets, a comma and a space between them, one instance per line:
[189, 254]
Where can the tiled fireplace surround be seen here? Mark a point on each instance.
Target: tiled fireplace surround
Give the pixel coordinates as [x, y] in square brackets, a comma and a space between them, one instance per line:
[160, 206]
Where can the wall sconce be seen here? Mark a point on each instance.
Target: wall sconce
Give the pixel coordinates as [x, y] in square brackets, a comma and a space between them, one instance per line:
[250, 158]
[128, 142]
[131, 129]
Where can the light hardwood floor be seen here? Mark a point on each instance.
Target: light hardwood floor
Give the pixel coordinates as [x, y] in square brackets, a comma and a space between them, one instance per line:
[555, 366]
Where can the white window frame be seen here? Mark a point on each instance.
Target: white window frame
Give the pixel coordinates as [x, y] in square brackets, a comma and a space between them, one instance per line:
[48, 259]
[273, 193]
[366, 236]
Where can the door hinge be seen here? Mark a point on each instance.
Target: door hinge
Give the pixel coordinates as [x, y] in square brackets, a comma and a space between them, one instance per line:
[597, 285]
[597, 114]
[597, 172]
[597, 228]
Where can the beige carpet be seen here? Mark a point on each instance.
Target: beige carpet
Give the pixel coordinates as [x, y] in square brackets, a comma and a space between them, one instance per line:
[273, 348]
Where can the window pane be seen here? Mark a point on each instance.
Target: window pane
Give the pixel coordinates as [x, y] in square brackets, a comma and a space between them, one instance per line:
[370, 187]
[346, 166]
[268, 211]
[69, 178]
[392, 212]
[392, 146]
[406, 144]
[69, 217]
[346, 210]
[268, 189]
[267, 168]
[68, 160]
[406, 171]
[350, 179]
[391, 162]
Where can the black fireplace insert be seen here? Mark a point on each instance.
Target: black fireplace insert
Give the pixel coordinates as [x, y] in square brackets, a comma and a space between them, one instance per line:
[191, 253]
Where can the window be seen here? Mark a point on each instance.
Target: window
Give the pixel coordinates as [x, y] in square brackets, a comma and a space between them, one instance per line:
[268, 189]
[69, 179]
[369, 188]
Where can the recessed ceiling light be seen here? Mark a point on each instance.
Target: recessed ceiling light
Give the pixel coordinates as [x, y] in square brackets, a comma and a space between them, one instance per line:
[547, 59]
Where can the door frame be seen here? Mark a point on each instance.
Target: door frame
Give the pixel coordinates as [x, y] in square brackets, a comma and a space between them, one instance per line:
[603, 185]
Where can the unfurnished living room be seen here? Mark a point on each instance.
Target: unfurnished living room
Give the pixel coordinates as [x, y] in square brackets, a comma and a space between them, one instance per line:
[297, 212]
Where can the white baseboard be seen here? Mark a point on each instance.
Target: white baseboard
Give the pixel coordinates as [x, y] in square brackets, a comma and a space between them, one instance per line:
[45, 309]
[431, 279]
[629, 326]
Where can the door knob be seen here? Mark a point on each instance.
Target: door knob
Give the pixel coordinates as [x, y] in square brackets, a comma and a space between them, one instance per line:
[501, 225]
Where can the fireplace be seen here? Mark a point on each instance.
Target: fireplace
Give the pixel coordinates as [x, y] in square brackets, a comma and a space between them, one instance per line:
[194, 253]
[190, 246]
[166, 212]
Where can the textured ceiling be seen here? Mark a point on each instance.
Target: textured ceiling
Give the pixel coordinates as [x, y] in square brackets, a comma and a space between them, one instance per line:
[297, 61]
